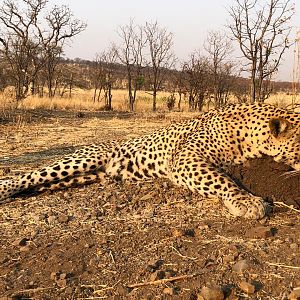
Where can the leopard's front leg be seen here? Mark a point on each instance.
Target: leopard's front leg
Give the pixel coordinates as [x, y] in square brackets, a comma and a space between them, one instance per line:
[202, 177]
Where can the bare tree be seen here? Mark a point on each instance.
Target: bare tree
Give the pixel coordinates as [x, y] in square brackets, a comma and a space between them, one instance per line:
[160, 42]
[197, 79]
[218, 47]
[179, 86]
[62, 26]
[28, 45]
[98, 77]
[261, 29]
[108, 60]
[19, 47]
[130, 53]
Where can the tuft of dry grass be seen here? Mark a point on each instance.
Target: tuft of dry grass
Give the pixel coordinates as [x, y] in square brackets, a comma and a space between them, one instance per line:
[284, 100]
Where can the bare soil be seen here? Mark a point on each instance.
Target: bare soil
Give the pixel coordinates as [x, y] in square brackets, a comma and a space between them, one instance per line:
[148, 240]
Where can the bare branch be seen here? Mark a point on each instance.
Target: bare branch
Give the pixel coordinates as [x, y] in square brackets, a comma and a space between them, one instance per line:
[261, 29]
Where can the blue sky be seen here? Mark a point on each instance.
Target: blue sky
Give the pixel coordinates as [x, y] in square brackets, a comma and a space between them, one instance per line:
[189, 20]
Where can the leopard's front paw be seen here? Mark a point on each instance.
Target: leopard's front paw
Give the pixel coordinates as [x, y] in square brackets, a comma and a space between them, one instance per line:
[249, 207]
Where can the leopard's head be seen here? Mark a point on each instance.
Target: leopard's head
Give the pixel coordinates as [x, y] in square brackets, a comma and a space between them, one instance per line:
[283, 142]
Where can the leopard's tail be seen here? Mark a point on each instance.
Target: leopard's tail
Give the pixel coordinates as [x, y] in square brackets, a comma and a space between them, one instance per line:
[85, 166]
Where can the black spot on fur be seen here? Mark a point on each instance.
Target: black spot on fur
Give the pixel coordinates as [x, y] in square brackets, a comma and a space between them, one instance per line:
[130, 166]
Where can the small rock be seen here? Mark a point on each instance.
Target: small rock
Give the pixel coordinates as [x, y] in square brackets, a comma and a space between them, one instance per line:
[61, 283]
[295, 294]
[240, 266]
[233, 248]
[228, 258]
[51, 219]
[53, 275]
[63, 276]
[211, 293]
[69, 291]
[168, 291]
[177, 232]
[260, 232]
[247, 287]
[154, 264]
[63, 219]
[25, 248]
[157, 275]
[294, 246]
[203, 226]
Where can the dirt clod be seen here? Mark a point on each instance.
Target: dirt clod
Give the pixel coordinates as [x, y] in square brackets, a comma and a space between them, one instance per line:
[25, 248]
[63, 218]
[169, 291]
[241, 266]
[54, 276]
[177, 232]
[247, 287]
[294, 246]
[61, 283]
[157, 275]
[260, 232]
[211, 293]
[228, 258]
[62, 276]
[51, 219]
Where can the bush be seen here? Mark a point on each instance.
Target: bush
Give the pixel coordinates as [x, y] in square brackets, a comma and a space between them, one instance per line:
[171, 102]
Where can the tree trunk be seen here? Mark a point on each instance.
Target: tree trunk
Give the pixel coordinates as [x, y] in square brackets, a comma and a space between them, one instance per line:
[253, 87]
[154, 100]
[179, 101]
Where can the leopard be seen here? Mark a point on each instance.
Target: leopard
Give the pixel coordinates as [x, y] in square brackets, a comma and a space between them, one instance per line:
[194, 153]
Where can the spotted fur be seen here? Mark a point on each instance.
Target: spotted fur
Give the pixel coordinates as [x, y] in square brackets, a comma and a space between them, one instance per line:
[193, 154]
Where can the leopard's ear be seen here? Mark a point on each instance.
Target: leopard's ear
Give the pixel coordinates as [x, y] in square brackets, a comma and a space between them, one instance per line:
[279, 126]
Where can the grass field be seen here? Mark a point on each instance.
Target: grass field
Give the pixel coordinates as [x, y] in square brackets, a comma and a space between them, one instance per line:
[83, 100]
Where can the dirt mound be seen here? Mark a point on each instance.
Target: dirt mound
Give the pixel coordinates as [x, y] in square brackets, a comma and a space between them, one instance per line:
[268, 179]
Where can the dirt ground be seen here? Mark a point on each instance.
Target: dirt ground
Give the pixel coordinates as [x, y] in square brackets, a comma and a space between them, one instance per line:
[148, 240]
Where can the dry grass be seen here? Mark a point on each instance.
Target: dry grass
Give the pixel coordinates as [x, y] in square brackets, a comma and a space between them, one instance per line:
[83, 100]
[284, 100]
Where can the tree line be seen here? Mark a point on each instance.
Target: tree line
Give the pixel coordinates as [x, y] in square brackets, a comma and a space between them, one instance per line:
[33, 38]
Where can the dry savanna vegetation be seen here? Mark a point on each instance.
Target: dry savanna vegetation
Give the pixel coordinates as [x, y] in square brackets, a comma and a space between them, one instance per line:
[147, 240]
[82, 100]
